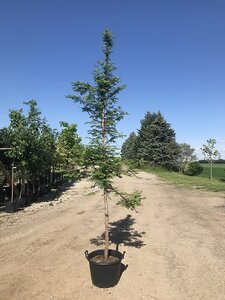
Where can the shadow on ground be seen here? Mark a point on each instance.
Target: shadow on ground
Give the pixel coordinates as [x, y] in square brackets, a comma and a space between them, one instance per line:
[122, 232]
[220, 208]
[53, 195]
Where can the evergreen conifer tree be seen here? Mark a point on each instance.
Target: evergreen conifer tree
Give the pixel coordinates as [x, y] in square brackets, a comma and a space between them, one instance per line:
[156, 142]
[129, 147]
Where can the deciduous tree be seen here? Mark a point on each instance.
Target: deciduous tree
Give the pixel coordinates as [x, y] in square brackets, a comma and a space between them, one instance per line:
[186, 155]
[69, 148]
[99, 100]
[210, 153]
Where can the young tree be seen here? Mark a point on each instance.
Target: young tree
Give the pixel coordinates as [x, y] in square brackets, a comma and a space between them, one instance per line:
[5, 143]
[41, 145]
[5, 161]
[210, 153]
[156, 142]
[32, 141]
[17, 131]
[100, 102]
[69, 147]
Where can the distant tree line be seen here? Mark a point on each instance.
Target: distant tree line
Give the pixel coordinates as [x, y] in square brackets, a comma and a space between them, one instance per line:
[218, 161]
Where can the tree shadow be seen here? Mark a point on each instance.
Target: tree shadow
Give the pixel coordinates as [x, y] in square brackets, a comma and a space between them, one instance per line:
[220, 207]
[55, 193]
[122, 232]
[123, 269]
[50, 196]
[2, 208]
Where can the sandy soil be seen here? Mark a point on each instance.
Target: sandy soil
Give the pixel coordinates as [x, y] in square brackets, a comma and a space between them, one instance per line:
[175, 245]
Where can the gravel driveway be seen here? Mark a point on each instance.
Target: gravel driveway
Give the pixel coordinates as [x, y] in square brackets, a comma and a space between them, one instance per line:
[175, 244]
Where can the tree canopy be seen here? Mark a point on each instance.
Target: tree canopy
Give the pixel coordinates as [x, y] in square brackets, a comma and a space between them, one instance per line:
[155, 142]
[36, 148]
[100, 101]
[32, 140]
[69, 147]
[129, 147]
[210, 153]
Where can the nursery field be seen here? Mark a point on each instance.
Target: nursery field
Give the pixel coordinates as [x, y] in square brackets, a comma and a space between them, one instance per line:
[218, 171]
[202, 181]
[174, 244]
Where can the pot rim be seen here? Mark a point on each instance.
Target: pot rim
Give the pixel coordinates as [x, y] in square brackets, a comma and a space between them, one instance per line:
[120, 256]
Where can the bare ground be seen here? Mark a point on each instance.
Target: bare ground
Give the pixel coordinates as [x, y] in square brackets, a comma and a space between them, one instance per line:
[175, 245]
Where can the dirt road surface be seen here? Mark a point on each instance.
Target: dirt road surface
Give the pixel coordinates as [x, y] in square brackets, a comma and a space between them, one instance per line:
[175, 245]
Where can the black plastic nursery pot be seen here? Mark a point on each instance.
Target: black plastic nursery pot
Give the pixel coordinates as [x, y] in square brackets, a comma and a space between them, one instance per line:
[28, 200]
[10, 207]
[105, 274]
[22, 202]
[45, 190]
[34, 196]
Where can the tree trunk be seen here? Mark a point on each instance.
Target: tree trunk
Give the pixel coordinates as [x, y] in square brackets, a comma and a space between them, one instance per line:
[9, 179]
[103, 127]
[33, 185]
[211, 170]
[23, 183]
[106, 207]
[20, 181]
[106, 210]
[51, 178]
[39, 183]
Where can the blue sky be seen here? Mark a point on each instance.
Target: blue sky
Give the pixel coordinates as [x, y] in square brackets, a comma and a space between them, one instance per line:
[169, 53]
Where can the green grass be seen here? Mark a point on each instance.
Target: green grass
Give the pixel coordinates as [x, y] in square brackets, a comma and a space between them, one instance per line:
[218, 171]
[197, 182]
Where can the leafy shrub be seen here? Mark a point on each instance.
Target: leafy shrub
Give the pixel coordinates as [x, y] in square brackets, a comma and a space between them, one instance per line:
[193, 169]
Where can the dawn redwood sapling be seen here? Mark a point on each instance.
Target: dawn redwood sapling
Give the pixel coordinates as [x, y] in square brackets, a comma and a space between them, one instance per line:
[99, 100]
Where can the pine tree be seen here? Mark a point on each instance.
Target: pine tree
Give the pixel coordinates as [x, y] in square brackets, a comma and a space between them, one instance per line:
[129, 147]
[156, 141]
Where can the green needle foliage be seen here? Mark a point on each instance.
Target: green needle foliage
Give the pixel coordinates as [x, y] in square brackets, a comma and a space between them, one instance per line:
[154, 145]
[100, 102]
